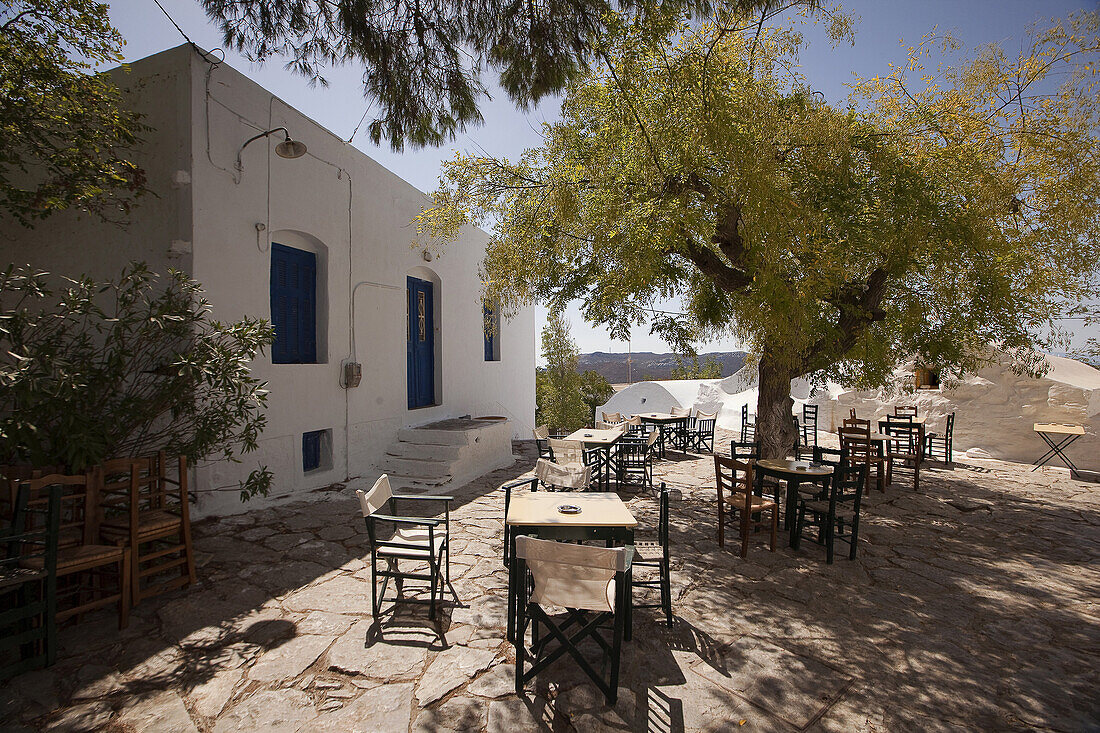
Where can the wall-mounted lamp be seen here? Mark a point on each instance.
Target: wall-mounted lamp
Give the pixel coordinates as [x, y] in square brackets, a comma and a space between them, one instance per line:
[288, 148]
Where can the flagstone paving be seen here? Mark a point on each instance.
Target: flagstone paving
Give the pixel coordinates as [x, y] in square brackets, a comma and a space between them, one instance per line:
[973, 604]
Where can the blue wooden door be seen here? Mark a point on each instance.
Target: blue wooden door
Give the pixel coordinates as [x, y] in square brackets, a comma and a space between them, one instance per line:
[421, 346]
[293, 305]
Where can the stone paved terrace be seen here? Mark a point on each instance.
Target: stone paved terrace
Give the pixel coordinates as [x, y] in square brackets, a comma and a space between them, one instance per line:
[973, 604]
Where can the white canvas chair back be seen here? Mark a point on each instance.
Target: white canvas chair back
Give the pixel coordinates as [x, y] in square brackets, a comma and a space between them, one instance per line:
[653, 436]
[572, 576]
[567, 451]
[612, 417]
[679, 412]
[563, 476]
[373, 500]
[706, 415]
[634, 422]
[601, 425]
[542, 432]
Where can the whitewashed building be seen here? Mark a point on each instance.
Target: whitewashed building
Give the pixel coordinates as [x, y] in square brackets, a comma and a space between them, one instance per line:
[322, 244]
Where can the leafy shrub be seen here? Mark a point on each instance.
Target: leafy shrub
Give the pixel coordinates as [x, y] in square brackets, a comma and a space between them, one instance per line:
[91, 371]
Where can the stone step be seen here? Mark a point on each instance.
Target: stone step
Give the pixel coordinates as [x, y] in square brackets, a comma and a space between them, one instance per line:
[410, 485]
[424, 451]
[417, 469]
[422, 436]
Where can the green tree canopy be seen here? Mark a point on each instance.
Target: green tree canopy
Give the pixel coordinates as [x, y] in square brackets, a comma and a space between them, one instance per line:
[933, 215]
[558, 400]
[423, 63]
[595, 391]
[64, 142]
[709, 369]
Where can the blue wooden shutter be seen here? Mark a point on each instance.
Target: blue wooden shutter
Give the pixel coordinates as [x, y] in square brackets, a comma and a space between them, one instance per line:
[293, 305]
[311, 450]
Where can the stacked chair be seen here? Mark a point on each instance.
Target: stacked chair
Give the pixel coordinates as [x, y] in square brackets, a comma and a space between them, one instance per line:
[28, 583]
[144, 508]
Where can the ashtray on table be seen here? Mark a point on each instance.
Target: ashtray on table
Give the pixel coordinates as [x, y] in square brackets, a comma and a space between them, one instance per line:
[569, 509]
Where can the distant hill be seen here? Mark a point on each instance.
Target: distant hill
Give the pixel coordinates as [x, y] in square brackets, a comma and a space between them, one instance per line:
[645, 364]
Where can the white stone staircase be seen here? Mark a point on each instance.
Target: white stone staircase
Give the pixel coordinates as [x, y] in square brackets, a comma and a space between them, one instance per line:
[449, 453]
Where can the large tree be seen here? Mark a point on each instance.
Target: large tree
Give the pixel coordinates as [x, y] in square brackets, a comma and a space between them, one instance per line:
[931, 216]
[424, 63]
[64, 141]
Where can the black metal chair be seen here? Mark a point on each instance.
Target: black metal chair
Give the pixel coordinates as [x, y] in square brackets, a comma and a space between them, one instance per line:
[634, 461]
[655, 554]
[829, 513]
[702, 433]
[590, 583]
[808, 428]
[413, 538]
[748, 427]
[28, 584]
[939, 446]
[679, 433]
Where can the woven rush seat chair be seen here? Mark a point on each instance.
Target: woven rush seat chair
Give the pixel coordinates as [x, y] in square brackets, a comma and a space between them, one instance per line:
[736, 500]
[905, 411]
[903, 448]
[829, 514]
[808, 427]
[422, 540]
[590, 584]
[80, 556]
[28, 584]
[856, 446]
[144, 507]
[654, 553]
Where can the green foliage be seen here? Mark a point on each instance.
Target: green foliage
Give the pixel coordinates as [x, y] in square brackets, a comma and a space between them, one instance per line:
[94, 371]
[64, 141]
[558, 398]
[595, 391]
[709, 369]
[423, 62]
[924, 219]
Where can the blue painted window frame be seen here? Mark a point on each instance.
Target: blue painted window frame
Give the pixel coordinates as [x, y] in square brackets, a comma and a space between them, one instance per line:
[293, 305]
[490, 326]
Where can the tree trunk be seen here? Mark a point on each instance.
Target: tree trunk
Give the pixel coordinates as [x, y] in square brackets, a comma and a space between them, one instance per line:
[775, 426]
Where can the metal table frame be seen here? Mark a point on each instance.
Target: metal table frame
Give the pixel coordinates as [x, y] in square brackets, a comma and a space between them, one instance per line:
[662, 424]
[793, 479]
[1069, 435]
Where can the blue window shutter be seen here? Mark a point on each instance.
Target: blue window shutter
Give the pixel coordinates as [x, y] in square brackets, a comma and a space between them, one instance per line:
[293, 305]
[311, 450]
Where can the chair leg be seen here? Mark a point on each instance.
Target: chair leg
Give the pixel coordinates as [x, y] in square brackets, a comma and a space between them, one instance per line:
[373, 588]
[799, 522]
[775, 525]
[189, 553]
[746, 526]
[829, 537]
[135, 572]
[124, 571]
[433, 569]
[666, 591]
[721, 526]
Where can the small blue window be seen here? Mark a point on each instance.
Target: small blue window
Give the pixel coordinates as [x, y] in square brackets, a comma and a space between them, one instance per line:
[293, 305]
[311, 450]
[490, 312]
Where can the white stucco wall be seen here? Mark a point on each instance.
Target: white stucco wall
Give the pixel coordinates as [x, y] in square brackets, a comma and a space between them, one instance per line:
[337, 202]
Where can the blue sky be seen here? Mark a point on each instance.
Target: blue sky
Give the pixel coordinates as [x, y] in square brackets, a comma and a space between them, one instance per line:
[884, 29]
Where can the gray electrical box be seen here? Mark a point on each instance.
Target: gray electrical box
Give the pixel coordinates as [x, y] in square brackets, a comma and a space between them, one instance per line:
[353, 374]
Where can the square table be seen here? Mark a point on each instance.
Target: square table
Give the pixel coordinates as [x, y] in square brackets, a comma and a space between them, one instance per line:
[1066, 434]
[601, 440]
[663, 420]
[603, 517]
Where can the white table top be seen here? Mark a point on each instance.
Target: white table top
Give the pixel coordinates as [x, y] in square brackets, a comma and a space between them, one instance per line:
[540, 509]
[591, 436]
[661, 416]
[1059, 428]
[801, 468]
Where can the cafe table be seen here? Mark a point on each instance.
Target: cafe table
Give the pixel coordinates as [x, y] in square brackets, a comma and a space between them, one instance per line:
[1058, 437]
[602, 517]
[794, 473]
[601, 440]
[663, 421]
[918, 423]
